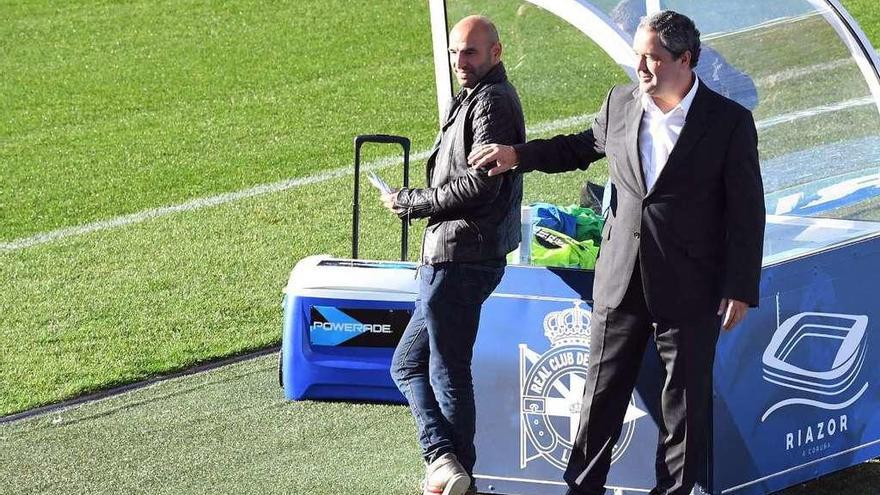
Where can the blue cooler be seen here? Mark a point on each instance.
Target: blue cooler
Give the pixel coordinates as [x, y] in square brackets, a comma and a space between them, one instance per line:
[342, 321]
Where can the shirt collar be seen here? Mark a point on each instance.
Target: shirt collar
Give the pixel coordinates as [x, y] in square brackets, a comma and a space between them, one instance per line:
[685, 103]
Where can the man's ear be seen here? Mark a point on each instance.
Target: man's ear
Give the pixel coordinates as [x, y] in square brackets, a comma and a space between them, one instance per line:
[686, 57]
[496, 51]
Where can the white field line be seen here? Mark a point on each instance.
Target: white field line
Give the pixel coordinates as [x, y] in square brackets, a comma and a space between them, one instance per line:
[207, 202]
[757, 27]
[566, 123]
[798, 72]
[196, 204]
[812, 112]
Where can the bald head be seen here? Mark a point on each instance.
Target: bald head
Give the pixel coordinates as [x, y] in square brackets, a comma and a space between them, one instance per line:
[477, 23]
[474, 49]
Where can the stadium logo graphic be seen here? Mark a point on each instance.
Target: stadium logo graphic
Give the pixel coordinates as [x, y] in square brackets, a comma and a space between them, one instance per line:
[552, 387]
[818, 357]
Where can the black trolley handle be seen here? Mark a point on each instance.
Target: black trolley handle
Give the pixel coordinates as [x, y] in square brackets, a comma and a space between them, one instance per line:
[355, 223]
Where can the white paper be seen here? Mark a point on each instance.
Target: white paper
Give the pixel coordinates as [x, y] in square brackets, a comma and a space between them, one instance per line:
[377, 181]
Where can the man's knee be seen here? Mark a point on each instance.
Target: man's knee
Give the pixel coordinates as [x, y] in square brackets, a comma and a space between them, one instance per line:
[399, 373]
[403, 369]
[451, 376]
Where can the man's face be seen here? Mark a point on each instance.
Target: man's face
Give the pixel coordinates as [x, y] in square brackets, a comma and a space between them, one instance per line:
[661, 75]
[472, 54]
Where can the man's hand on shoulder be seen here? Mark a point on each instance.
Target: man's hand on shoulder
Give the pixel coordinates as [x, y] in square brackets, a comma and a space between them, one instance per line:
[498, 158]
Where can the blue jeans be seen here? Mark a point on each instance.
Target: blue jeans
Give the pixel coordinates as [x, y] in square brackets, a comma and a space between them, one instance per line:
[432, 362]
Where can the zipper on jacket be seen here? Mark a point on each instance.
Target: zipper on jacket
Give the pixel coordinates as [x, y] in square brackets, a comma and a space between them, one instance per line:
[421, 251]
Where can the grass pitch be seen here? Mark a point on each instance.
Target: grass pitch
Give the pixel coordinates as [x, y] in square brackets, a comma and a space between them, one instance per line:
[159, 103]
[112, 108]
[229, 431]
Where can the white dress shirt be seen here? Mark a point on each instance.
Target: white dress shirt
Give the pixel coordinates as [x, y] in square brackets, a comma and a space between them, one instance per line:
[659, 132]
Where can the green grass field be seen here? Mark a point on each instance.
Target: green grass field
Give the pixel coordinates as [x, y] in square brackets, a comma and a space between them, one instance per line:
[230, 431]
[190, 435]
[117, 108]
[194, 100]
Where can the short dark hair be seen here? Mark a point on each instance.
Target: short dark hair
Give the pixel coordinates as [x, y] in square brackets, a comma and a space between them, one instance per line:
[677, 33]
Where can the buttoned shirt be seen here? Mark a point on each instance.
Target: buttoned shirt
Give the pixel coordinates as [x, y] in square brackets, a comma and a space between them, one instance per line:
[660, 131]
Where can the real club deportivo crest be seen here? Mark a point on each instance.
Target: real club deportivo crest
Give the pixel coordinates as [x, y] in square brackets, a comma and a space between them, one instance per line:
[552, 388]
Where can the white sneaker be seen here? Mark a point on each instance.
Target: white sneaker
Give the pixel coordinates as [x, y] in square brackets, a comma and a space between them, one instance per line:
[446, 476]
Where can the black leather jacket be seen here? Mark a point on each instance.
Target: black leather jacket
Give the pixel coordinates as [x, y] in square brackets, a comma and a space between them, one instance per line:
[471, 216]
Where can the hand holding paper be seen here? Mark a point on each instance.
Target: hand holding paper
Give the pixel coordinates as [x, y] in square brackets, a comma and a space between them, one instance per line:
[389, 194]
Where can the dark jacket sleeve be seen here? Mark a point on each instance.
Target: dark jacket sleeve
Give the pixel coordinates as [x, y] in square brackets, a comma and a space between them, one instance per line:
[492, 121]
[745, 215]
[567, 152]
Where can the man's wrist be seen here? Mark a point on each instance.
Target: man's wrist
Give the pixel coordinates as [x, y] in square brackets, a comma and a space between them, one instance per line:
[518, 164]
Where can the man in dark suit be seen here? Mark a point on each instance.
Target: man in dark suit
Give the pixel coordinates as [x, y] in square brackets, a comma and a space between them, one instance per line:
[681, 251]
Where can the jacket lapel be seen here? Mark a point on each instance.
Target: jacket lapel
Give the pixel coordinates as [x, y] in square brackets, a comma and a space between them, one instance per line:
[633, 116]
[455, 105]
[452, 110]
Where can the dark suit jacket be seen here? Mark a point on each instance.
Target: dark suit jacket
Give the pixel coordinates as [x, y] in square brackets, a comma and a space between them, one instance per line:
[699, 232]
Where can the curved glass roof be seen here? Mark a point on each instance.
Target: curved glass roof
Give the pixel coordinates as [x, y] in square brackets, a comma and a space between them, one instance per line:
[803, 67]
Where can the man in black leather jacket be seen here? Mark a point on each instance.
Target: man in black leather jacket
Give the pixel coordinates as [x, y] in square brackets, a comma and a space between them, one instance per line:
[473, 222]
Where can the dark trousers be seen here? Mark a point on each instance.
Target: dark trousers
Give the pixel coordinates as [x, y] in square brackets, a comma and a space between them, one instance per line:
[432, 363]
[617, 344]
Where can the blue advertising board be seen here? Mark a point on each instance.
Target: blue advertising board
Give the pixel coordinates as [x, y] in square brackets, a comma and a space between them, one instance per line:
[530, 367]
[796, 395]
[793, 393]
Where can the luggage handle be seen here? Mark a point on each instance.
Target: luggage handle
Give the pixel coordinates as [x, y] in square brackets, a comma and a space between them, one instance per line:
[355, 223]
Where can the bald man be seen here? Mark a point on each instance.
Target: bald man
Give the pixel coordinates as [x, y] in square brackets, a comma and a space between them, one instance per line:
[473, 223]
